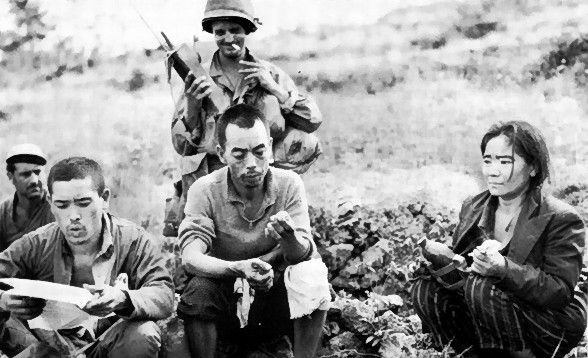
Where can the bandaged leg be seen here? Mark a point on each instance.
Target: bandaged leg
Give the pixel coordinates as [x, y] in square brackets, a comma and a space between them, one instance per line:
[308, 287]
[309, 299]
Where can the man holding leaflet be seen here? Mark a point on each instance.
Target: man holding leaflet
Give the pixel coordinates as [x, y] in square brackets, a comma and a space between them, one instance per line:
[87, 247]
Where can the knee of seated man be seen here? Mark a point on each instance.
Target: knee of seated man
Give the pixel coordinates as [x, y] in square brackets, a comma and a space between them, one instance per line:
[132, 338]
[143, 333]
[205, 299]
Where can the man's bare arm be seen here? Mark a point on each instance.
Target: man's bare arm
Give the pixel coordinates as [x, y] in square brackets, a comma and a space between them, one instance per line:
[258, 273]
[281, 228]
[196, 262]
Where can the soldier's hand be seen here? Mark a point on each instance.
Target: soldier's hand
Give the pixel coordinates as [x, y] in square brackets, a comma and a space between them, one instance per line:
[258, 72]
[258, 273]
[280, 227]
[197, 87]
[21, 306]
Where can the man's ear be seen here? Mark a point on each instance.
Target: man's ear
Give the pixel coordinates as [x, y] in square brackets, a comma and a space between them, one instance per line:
[221, 154]
[10, 175]
[105, 199]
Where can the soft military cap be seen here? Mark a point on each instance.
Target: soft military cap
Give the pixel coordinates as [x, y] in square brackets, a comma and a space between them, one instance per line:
[25, 153]
[236, 10]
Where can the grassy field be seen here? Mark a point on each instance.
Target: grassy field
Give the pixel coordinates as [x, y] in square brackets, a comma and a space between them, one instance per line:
[395, 128]
[403, 119]
[405, 101]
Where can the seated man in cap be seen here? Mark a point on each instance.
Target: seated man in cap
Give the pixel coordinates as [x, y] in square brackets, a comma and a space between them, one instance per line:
[88, 248]
[241, 77]
[247, 236]
[28, 209]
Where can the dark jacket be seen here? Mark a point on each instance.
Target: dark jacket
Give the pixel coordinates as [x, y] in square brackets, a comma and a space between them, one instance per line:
[546, 251]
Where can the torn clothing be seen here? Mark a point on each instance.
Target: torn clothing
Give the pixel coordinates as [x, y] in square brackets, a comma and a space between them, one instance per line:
[10, 231]
[291, 123]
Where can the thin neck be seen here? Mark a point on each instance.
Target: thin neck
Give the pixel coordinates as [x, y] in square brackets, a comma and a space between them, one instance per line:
[248, 193]
[511, 205]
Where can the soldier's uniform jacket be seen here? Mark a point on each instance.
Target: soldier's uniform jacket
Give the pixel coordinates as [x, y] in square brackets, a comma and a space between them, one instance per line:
[291, 123]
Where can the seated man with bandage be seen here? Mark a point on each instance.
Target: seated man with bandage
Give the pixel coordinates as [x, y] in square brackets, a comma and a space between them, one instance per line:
[247, 248]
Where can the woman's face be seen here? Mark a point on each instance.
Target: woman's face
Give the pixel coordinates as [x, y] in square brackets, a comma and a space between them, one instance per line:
[506, 176]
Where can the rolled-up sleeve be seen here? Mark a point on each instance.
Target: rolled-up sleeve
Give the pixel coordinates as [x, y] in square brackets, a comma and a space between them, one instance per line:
[151, 285]
[198, 223]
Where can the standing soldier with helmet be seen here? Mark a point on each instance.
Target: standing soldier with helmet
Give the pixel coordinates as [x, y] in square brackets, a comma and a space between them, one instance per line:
[242, 78]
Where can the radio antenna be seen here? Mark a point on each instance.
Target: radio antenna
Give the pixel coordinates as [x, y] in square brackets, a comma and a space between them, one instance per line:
[148, 26]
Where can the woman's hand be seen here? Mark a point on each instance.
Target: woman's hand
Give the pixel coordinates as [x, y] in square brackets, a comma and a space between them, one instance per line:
[488, 263]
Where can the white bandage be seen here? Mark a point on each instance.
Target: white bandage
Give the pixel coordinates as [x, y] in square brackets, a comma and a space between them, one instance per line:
[308, 287]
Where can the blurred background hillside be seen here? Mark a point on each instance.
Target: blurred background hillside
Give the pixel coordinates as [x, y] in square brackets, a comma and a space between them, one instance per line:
[406, 88]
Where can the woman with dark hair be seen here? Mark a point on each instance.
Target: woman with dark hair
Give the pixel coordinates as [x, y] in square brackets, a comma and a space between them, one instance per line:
[524, 293]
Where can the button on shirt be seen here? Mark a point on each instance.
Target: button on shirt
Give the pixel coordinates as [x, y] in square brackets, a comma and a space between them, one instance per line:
[215, 214]
[10, 232]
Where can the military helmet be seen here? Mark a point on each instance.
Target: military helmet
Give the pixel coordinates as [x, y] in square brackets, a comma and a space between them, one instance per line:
[240, 11]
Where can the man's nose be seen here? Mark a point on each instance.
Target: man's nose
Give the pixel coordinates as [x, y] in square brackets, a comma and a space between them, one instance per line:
[34, 178]
[250, 162]
[229, 37]
[74, 215]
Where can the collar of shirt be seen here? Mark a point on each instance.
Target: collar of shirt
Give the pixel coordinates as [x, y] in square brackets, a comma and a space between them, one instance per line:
[103, 262]
[270, 192]
[107, 247]
[486, 223]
